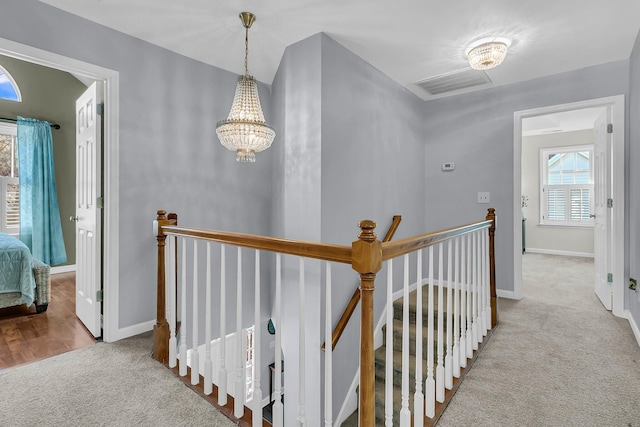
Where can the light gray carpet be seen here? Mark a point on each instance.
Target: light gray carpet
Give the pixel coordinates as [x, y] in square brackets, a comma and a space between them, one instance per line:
[557, 357]
[106, 384]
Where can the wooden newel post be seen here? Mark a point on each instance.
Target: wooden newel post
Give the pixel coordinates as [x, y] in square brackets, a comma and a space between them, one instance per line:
[367, 260]
[161, 328]
[491, 216]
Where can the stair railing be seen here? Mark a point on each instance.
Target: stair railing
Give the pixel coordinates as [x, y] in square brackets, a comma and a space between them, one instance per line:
[181, 282]
[355, 299]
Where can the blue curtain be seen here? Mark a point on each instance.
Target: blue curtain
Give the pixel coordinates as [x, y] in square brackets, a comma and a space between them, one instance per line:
[40, 227]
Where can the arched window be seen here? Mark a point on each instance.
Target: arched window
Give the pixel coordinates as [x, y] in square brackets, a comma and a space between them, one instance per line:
[8, 87]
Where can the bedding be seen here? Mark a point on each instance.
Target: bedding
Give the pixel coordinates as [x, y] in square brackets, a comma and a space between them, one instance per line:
[16, 268]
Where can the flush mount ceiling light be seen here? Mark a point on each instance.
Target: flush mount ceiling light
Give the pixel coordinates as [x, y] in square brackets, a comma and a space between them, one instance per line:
[487, 53]
[245, 130]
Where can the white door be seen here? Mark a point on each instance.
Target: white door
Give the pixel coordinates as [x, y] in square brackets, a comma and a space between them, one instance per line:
[88, 214]
[602, 189]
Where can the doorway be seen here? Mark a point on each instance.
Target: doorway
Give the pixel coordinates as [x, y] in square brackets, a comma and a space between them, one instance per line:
[110, 280]
[612, 258]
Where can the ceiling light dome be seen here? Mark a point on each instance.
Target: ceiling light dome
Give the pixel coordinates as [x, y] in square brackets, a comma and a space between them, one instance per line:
[487, 53]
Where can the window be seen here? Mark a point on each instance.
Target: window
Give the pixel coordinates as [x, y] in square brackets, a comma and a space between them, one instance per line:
[8, 87]
[9, 189]
[566, 190]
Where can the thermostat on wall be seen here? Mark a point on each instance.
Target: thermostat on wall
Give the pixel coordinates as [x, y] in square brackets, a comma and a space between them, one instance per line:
[449, 166]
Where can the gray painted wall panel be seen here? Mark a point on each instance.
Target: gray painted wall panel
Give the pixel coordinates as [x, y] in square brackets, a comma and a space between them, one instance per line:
[476, 132]
[372, 168]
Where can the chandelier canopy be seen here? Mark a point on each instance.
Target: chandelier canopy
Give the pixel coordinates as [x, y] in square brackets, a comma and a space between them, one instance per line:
[245, 131]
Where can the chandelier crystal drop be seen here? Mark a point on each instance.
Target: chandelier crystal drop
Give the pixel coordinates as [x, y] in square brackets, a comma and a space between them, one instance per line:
[487, 55]
[245, 131]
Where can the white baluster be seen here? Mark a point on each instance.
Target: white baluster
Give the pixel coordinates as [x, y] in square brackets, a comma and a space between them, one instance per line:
[302, 420]
[448, 360]
[388, 375]
[456, 311]
[440, 366]
[430, 383]
[222, 372]
[405, 414]
[469, 287]
[171, 292]
[277, 407]
[463, 302]
[487, 278]
[238, 400]
[474, 284]
[483, 285]
[195, 354]
[208, 364]
[183, 312]
[328, 353]
[257, 363]
[418, 397]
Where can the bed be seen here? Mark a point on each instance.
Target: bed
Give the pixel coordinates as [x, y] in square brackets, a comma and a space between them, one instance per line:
[23, 279]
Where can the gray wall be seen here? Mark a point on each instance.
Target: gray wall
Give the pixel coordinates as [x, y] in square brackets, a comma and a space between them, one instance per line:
[372, 168]
[50, 95]
[633, 298]
[550, 238]
[475, 131]
[297, 96]
[170, 157]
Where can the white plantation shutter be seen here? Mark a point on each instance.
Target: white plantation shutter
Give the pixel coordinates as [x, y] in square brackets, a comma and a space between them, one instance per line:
[10, 202]
[556, 201]
[580, 204]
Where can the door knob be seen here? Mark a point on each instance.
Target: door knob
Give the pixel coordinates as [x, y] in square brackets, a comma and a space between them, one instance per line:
[73, 218]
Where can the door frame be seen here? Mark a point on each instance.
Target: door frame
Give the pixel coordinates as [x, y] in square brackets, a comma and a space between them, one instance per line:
[110, 237]
[616, 242]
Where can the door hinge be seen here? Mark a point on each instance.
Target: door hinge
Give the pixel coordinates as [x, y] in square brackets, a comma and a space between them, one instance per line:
[609, 203]
[610, 277]
[610, 128]
[100, 202]
[99, 296]
[100, 109]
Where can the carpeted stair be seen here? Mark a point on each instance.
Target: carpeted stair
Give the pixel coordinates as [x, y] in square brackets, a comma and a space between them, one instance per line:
[380, 355]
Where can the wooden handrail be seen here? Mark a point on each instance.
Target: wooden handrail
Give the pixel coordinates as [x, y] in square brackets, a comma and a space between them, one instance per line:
[355, 299]
[323, 251]
[401, 247]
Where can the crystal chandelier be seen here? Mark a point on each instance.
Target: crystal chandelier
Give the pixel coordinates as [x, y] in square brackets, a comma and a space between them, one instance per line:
[245, 130]
[487, 54]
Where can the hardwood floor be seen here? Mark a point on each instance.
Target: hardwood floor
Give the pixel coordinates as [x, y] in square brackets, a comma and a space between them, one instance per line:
[26, 336]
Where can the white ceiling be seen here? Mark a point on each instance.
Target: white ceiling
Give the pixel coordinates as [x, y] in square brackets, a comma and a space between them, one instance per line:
[567, 121]
[409, 40]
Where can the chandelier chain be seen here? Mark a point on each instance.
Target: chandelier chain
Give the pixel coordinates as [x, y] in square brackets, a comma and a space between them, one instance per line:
[246, 51]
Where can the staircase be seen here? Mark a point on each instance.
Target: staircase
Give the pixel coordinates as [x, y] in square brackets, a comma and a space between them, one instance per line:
[380, 356]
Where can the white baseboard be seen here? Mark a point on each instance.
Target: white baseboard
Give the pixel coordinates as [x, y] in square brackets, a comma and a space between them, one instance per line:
[554, 252]
[130, 331]
[507, 294]
[63, 269]
[634, 327]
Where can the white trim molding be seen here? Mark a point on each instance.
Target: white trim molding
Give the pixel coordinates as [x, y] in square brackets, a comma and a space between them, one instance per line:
[555, 252]
[508, 294]
[616, 106]
[63, 269]
[634, 327]
[111, 79]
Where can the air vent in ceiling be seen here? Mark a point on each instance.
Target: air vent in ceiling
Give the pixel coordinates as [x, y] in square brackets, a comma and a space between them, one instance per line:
[455, 80]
